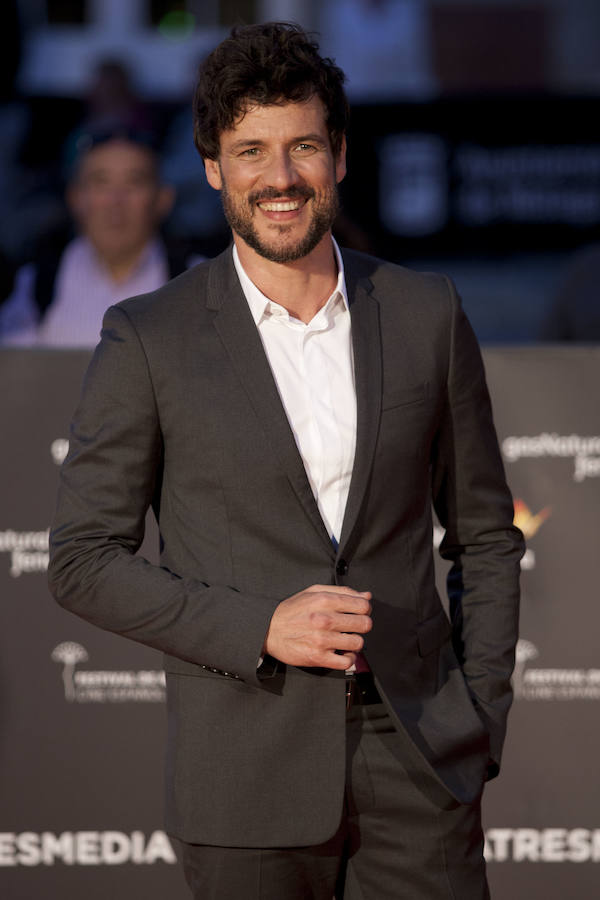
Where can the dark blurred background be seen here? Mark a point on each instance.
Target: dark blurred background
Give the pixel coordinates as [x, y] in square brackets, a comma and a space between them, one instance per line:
[474, 146]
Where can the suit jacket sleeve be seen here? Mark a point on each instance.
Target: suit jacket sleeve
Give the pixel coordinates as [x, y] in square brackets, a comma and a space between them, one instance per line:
[108, 481]
[474, 506]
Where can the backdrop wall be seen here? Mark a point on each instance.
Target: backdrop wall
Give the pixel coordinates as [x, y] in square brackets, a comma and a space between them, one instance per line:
[82, 714]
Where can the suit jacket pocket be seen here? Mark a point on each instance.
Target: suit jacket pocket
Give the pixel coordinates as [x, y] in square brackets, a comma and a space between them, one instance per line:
[403, 396]
[433, 632]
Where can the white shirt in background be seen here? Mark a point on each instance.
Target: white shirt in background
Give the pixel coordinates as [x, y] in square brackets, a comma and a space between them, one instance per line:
[83, 291]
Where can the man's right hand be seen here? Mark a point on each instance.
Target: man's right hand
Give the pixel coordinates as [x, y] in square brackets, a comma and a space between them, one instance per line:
[309, 627]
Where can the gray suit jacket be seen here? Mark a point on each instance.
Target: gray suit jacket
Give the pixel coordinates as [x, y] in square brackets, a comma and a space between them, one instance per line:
[180, 411]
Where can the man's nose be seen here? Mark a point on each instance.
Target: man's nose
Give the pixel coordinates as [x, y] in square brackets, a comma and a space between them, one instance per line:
[114, 195]
[281, 172]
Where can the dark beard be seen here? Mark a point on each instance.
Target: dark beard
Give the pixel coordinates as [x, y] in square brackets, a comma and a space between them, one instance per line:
[241, 221]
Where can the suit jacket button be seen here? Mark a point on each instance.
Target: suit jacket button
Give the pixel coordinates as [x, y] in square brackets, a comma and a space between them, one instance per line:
[342, 567]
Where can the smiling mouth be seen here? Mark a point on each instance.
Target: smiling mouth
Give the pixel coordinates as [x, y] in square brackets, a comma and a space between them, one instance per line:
[281, 205]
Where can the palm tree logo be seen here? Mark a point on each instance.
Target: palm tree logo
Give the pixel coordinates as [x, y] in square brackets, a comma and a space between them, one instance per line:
[69, 654]
[525, 651]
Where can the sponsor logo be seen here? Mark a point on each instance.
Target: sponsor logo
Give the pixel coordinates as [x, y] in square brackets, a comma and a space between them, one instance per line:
[59, 449]
[551, 684]
[575, 845]
[413, 190]
[529, 523]
[542, 184]
[28, 551]
[106, 686]
[85, 848]
[584, 451]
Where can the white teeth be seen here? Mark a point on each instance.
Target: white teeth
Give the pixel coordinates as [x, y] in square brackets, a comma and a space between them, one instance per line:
[280, 207]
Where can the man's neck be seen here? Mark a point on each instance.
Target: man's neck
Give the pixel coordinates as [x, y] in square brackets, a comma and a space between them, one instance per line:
[120, 267]
[302, 286]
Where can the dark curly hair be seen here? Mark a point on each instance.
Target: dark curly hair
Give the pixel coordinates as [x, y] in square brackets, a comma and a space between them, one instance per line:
[265, 64]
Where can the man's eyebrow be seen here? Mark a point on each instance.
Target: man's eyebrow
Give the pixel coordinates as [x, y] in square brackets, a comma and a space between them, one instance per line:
[311, 138]
[239, 145]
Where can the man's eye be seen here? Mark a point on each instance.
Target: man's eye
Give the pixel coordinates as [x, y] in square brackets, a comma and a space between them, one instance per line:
[250, 152]
[306, 148]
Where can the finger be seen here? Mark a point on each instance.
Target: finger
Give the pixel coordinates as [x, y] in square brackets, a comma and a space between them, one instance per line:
[348, 642]
[340, 661]
[357, 604]
[348, 622]
[331, 623]
[338, 589]
[340, 623]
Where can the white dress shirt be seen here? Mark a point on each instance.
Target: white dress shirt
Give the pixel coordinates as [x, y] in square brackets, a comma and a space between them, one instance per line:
[313, 368]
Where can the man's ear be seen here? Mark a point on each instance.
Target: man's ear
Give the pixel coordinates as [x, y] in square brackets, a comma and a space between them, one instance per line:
[340, 163]
[213, 173]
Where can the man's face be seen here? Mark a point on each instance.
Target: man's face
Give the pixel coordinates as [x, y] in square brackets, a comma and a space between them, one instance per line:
[278, 179]
[116, 198]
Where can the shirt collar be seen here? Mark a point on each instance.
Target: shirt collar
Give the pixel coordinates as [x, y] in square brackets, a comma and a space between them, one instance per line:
[259, 303]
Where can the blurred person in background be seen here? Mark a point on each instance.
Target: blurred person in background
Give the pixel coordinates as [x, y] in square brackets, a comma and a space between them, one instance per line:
[118, 202]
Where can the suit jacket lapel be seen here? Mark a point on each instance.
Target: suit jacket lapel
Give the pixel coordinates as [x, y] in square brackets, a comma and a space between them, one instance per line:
[366, 342]
[236, 328]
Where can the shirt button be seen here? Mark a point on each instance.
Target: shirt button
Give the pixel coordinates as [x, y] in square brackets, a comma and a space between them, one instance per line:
[342, 567]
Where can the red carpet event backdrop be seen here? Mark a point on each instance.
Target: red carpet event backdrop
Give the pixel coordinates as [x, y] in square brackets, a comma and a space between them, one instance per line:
[83, 714]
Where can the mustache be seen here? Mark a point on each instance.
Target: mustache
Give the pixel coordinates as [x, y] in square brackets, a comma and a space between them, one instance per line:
[294, 192]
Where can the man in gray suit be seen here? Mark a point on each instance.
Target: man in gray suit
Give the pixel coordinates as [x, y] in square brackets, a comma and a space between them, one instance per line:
[291, 411]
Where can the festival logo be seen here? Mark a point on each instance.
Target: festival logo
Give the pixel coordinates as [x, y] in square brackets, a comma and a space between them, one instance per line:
[551, 684]
[69, 654]
[105, 686]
